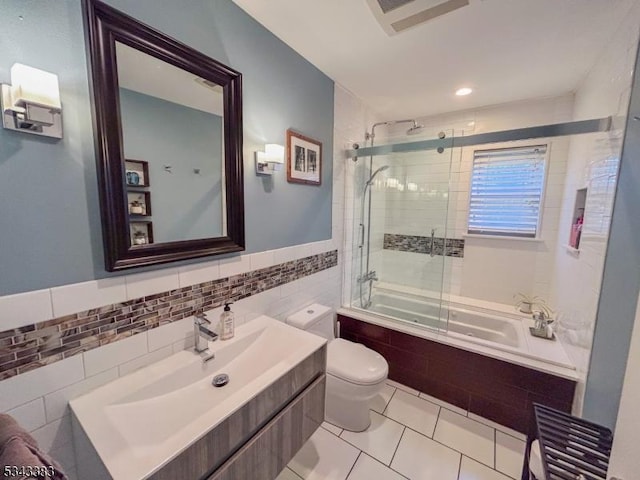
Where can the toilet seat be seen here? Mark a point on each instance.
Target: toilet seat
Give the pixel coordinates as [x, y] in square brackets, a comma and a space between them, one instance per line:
[355, 363]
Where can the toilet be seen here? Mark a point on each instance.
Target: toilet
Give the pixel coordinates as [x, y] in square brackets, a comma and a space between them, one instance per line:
[355, 373]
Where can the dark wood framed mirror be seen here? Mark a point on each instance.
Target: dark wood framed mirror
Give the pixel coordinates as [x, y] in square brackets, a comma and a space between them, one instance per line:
[168, 133]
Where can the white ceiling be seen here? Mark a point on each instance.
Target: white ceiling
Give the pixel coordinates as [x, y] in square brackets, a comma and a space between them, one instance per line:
[507, 50]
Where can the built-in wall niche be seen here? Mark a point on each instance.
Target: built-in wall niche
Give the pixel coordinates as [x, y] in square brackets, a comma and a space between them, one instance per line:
[139, 203]
[136, 173]
[141, 232]
[577, 220]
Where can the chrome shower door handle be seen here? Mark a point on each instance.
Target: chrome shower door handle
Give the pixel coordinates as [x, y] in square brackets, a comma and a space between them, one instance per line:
[433, 239]
[361, 235]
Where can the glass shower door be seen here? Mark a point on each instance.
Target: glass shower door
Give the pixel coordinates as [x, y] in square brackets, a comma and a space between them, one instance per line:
[400, 242]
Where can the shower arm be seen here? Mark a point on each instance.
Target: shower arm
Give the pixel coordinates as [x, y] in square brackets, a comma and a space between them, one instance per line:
[371, 136]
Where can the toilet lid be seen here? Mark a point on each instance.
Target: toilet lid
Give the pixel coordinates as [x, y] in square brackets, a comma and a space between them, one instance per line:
[355, 363]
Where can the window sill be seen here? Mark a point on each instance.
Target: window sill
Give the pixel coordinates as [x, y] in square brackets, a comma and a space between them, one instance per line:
[503, 238]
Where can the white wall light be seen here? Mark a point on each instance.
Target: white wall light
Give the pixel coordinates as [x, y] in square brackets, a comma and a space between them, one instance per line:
[31, 104]
[271, 160]
[461, 92]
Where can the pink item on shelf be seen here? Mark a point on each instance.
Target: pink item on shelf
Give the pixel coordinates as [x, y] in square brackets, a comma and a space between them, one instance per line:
[573, 238]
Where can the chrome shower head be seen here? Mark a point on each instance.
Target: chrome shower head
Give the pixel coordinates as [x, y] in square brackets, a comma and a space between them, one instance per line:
[415, 129]
[381, 169]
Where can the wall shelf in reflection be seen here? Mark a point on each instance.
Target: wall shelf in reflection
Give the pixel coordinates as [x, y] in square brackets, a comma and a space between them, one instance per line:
[139, 203]
[136, 173]
[141, 232]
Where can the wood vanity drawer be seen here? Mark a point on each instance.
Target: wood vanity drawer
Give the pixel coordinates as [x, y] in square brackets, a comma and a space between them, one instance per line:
[269, 451]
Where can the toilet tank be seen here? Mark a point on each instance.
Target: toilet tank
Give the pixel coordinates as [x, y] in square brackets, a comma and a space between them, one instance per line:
[315, 318]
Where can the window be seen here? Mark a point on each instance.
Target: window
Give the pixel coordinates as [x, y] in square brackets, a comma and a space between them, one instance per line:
[506, 191]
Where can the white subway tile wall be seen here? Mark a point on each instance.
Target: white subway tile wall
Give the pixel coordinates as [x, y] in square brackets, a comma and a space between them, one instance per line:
[149, 283]
[25, 308]
[199, 273]
[78, 297]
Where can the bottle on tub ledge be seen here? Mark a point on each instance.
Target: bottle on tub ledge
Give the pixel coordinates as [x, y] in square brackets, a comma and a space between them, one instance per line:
[227, 323]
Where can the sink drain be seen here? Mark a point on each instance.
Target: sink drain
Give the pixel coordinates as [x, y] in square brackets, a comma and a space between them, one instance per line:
[220, 380]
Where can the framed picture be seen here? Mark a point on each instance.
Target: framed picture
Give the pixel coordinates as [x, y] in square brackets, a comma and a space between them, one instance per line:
[304, 159]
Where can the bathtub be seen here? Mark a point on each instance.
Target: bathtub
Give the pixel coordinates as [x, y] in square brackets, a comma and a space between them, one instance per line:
[494, 330]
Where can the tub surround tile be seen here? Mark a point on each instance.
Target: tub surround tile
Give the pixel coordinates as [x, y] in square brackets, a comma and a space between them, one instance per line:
[494, 389]
[160, 301]
[420, 458]
[379, 440]
[467, 436]
[448, 247]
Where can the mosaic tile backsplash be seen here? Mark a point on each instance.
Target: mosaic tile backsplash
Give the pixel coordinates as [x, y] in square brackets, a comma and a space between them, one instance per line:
[450, 247]
[33, 346]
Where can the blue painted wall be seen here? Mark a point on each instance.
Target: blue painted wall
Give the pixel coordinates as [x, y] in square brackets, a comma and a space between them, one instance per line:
[184, 205]
[621, 282]
[49, 215]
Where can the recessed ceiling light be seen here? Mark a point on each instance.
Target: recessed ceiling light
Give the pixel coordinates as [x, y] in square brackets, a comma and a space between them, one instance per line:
[463, 91]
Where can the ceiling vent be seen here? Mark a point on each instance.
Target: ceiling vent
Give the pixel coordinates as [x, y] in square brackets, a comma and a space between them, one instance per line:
[396, 16]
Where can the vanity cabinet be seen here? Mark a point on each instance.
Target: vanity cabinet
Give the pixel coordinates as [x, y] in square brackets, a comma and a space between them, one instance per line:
[258, 440]
[269, 451]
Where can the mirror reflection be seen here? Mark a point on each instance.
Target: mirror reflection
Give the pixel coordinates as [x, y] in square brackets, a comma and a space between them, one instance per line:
[172, 135]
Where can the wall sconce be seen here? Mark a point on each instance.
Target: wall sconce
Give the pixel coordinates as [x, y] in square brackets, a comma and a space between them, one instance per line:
[271, 160]
[31, 104]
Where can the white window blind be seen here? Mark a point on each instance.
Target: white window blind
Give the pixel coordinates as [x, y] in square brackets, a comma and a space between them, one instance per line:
[506, 191]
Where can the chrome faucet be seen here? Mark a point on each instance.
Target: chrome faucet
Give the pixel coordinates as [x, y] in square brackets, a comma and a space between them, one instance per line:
[368, 277]
[203, 334]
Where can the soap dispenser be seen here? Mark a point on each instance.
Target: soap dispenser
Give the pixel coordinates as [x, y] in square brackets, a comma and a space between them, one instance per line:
[227, 323]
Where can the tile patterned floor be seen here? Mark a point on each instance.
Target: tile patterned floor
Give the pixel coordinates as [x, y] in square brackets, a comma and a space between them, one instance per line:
[412, 436]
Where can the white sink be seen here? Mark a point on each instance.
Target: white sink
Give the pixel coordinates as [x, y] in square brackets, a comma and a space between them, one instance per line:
[141, 421]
